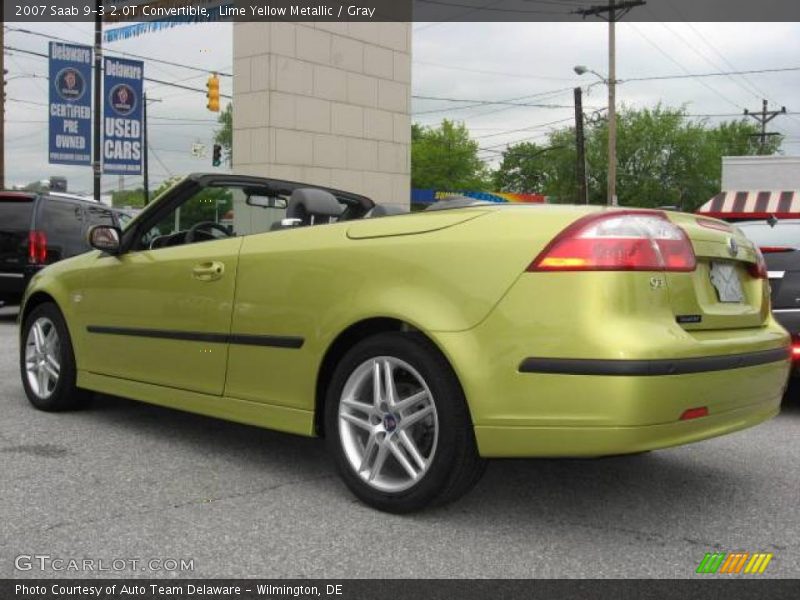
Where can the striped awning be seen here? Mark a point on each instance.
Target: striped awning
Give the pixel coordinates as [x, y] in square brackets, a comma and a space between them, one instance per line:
[753, 205]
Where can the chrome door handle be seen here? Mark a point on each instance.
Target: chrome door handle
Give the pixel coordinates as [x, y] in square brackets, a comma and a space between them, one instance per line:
[208, 271]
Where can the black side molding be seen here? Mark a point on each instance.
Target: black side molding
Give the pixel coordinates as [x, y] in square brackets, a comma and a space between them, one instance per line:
[676, 366]
[274, 341]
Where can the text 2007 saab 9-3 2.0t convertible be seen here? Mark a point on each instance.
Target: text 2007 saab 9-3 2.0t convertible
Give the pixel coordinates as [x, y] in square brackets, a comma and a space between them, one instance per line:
[417, 344]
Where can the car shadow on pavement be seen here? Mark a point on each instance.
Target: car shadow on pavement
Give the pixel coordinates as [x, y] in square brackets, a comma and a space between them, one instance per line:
[191, 433]
[559, 491]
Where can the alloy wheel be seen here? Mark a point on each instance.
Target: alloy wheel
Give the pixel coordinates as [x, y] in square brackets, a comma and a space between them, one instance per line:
[388, 424]
[42, 357]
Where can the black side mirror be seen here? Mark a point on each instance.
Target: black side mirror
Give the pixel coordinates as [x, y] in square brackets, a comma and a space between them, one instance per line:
[105, 238]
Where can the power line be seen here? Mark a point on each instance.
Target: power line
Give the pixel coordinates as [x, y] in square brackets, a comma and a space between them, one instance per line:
[131, 54]
[714, 74]
[747, 85]
[160, 162]
[491, 72]
[27, 102]
[150, 79]
[490, 8]
[489, 102]
[680, 66]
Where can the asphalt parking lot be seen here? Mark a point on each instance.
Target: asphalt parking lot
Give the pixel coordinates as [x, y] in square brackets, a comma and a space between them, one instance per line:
[132, 481]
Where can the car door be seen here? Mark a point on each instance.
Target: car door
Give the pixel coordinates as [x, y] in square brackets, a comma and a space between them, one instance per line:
[160, 313]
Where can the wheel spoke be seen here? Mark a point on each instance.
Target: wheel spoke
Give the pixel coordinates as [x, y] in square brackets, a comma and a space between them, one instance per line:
[353, 419]
[377, 391]
[388, 383]
[380, 460]
[51, 360]
[368, 450]
[410, 447]
[411, 400]
[415, 417]
[354, 404]
[402, 459]
[43, 380]
[50, 340]
[38, 336]
[52, 373]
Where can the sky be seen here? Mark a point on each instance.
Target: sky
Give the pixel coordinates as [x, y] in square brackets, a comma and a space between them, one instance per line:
[526, 62]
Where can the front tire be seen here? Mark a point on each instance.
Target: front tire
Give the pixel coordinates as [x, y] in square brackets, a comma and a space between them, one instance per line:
[47, 361]
[398, 427]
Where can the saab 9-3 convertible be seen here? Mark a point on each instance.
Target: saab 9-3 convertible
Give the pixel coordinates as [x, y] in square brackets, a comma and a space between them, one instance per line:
[418, 345]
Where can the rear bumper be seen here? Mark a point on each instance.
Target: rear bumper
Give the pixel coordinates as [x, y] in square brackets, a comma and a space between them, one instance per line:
[605, 441]
[655, 367]
[602, 367]
[12, 286]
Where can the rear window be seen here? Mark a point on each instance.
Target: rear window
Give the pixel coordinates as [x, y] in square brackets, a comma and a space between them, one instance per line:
[60, 218]
[15, 213]
[783, 234]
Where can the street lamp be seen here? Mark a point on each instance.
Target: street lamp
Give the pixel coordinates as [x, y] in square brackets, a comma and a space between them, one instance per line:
[611, 82]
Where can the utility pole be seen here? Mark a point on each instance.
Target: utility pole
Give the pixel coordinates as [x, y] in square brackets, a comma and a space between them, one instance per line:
[614, 12]
[145, 162]
[580, 142]
[764, 117]
[98, 96]
[2, 108]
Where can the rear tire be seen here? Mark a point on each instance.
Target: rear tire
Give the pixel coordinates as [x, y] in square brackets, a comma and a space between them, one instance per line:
[407, 442]
[47, 361]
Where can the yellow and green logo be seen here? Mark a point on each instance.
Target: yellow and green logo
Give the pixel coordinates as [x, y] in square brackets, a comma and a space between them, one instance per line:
[734, 563]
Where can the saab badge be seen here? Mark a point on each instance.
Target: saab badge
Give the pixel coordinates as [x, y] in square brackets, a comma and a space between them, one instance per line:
[733, 247]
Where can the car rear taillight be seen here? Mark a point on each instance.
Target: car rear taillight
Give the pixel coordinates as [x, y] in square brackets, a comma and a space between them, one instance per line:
[795, 347]
[775, 249]
[37, 247]
[694, 413]
[758, 270]
[619, 241]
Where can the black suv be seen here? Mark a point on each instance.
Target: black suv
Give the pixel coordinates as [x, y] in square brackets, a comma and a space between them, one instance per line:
[779, 241]
[39, 229]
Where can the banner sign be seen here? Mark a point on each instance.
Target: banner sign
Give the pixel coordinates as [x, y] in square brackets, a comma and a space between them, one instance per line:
[158, 15]
[122, 116]
[420, 196]
[70, 104]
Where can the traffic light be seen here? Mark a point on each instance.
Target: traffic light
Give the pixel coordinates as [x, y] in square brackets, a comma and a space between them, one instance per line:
[213, 93]
[216, 159]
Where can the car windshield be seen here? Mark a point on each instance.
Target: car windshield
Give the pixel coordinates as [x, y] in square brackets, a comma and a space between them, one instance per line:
[784, 233]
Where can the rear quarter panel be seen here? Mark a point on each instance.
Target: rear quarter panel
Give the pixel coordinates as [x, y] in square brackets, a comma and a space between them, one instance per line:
[316, 282]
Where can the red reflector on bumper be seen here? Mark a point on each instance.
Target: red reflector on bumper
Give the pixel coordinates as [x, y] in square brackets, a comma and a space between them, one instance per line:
[694, 413]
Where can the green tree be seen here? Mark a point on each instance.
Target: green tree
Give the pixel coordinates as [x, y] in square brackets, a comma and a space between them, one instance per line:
[224, 135]
[445, 158]
[525, 168]
[663, 158]
[125, 198]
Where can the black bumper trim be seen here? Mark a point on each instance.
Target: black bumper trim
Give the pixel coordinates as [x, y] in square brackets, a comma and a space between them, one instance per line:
[676, 366]
[274, 341]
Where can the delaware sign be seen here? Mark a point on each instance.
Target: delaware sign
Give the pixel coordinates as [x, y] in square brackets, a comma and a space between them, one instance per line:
[122, 116]
[70, 106]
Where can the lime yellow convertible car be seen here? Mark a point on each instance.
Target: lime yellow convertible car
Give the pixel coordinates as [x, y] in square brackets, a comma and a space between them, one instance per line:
[417, 344]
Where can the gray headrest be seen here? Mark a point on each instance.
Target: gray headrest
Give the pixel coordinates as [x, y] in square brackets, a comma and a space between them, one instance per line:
[386, 210]
[311, 201]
